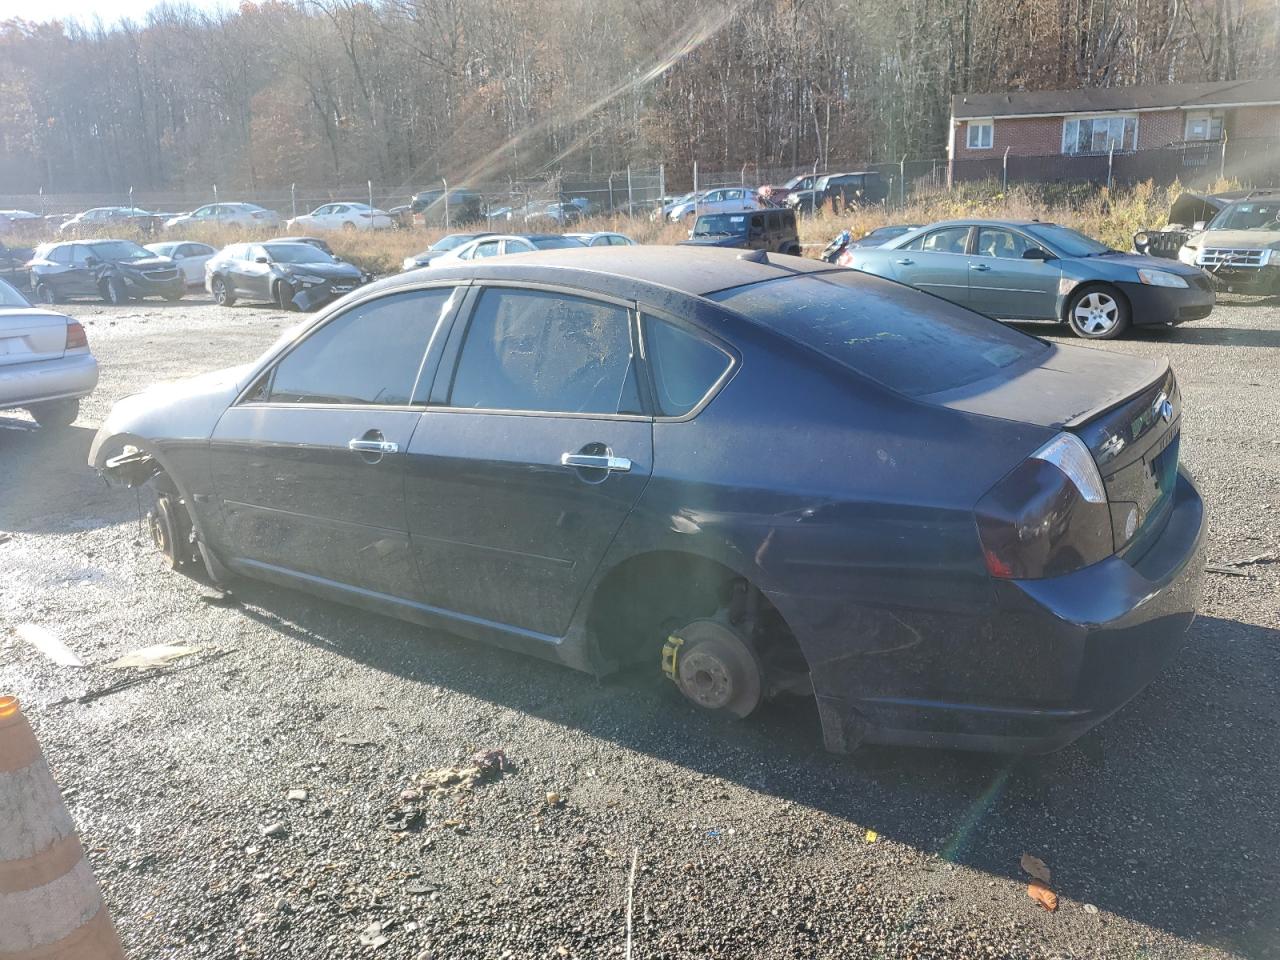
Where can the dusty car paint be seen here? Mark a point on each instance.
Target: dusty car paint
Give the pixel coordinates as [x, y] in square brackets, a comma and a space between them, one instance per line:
[849, 505]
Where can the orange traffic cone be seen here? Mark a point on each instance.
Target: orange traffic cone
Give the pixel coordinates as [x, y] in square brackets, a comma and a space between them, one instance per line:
[50, 904]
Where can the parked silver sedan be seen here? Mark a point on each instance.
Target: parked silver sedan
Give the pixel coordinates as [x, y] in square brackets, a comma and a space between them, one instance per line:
[45, 363]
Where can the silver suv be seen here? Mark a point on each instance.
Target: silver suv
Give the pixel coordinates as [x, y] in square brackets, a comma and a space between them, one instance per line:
[1240, 246]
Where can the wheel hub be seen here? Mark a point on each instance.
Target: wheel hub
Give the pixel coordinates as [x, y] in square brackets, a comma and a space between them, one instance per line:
[715, 668]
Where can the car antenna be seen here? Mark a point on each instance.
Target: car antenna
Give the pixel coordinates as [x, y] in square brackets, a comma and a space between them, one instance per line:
[754, 256]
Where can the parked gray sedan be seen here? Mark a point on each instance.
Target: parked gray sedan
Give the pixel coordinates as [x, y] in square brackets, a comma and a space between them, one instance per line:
[45, 363]
[1029, 270]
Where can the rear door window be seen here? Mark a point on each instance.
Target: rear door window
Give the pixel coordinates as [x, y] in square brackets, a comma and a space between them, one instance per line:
[685, 367]
[907, 340]
[369, 355]
[536, 350]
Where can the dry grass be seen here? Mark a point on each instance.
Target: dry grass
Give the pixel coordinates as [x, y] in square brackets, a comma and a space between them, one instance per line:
[1110, 217]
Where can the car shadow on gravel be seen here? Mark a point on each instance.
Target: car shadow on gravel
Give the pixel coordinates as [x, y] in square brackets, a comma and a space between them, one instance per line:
[1166, 815]
[47, 482]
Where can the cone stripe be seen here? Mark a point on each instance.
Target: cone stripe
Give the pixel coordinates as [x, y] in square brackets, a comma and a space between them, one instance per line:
[32, 816]
[35, 918]
[18, 747]
[26, 874]
[96, 940]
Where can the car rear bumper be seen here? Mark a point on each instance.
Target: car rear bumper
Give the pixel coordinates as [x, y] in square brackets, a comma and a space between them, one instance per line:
[1163, 305]
[72, 375]
[1109, 630]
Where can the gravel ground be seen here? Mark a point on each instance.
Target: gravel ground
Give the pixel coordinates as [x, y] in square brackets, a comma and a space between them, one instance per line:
[749, 840]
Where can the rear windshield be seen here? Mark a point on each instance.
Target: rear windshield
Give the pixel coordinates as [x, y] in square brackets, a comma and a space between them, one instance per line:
[554, 243]
[297, 253]
[9, 297]
[909, 341]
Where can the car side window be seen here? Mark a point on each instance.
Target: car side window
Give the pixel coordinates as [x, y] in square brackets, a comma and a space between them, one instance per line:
[1003, 244]
[685, 367]
[487, 249]
[254, 252]
[60, 255]
[79, 255]
[370, 354]
[946, 240]
[538, 350]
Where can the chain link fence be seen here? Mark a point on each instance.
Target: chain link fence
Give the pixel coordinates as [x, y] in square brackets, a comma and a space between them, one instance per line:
[557, 200]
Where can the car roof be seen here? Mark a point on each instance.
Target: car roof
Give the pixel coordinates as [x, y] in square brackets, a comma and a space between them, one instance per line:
[624, 271]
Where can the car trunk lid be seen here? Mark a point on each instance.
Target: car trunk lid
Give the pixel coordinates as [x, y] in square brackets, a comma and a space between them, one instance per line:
[28, 334]
[1126, 409]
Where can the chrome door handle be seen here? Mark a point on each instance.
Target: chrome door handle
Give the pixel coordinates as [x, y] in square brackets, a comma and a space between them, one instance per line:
[978, 266]
[905, 262]
[373, 446]
[591, 461]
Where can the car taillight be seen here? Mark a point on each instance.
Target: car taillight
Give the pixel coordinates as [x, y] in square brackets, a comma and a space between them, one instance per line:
[76, 336]
[1048, 516]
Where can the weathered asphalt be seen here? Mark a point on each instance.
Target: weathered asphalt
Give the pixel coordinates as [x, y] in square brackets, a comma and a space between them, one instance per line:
[749, 840]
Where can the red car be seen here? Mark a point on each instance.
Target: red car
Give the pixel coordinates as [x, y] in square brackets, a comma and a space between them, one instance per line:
[801, 181]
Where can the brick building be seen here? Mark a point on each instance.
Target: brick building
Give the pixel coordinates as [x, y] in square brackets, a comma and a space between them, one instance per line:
[1072, 132]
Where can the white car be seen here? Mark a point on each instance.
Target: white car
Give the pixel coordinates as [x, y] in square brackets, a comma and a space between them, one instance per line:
[45, 363]
[602, 238]
[10, 217]
[342, 216]
[188, 255]
[721, 200]
[491, 245]
[246, 215]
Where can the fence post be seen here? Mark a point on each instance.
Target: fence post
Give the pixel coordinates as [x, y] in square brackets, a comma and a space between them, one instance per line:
[1004, 172]
[742, 175]
[695, 176]
[446, 202]
[215, 193]
[131, 196]
[1111, 159]
[662, 183]
[902, 186]
[293, 200]
[370, 185]
[1222, 162]
[630, 198]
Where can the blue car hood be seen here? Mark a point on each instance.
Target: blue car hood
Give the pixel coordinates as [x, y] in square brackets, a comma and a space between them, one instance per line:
[1136, 261]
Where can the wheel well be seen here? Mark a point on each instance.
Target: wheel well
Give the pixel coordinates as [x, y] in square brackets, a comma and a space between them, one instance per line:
[643, 599]
[1093, 285]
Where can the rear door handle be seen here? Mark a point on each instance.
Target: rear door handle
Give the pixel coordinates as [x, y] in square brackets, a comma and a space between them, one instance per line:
[373, 446]
[591, 461]
[904, 262]
[978, 266]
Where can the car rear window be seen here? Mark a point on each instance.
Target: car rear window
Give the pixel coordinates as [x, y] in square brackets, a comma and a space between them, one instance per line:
[909, 341]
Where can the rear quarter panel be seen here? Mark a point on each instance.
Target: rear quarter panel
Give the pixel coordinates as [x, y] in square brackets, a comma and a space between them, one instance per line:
[850, 506]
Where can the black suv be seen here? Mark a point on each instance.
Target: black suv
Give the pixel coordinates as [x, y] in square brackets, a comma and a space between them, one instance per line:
[772, 230]
[115, 270]
[465, 206]
[846, 189]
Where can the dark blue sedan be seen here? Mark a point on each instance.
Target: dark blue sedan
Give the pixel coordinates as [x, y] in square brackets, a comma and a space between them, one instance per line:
[1029, 270]
[761, 475]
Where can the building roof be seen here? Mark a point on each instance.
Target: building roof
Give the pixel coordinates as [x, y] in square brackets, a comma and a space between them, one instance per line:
[1163, 96]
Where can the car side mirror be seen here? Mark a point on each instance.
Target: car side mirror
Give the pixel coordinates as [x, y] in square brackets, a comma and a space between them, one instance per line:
[261, 260]
[1199, 225]
[1035, 253]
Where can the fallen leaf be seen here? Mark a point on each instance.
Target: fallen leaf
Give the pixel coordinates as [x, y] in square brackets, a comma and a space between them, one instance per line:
[1035, 866]
[1042, 895]
[872, 836]
[150, 658]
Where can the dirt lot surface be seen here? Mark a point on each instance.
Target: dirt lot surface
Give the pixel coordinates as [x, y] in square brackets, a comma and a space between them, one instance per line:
[749, 840]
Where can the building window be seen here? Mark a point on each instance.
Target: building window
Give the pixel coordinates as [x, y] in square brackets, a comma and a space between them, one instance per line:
[980, 133]
[1099, 134]
[1206, 125]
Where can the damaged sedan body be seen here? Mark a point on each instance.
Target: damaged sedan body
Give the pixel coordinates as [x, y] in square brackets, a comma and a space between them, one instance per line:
[291, 274]
[955, 534]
